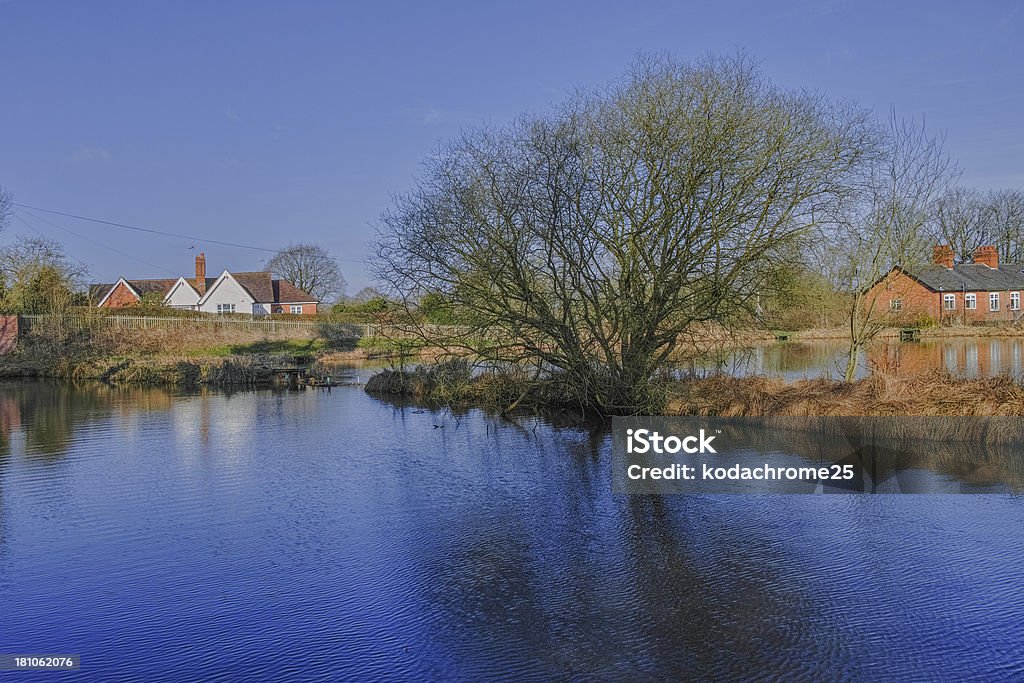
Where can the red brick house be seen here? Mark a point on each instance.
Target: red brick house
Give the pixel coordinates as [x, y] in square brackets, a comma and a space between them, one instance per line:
[981, 291]
[255, 293]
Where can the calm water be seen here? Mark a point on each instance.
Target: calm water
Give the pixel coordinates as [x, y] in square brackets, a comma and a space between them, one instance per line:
[966, 357]
[313, 536]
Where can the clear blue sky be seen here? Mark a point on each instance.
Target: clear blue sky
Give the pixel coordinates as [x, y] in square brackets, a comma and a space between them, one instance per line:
[270, 122]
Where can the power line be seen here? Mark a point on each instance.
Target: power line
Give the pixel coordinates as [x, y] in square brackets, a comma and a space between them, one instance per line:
[83, 270]
[162, 232]
[87, 239]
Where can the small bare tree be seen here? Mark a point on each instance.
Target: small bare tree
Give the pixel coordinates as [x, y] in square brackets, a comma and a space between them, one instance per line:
[586, 244]
[887, 226]
[6, 207]
[310, 268]
[38, 276]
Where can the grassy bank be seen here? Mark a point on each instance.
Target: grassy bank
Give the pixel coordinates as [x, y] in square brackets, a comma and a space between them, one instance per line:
[933, 393]
[154, 356]
[155, 370]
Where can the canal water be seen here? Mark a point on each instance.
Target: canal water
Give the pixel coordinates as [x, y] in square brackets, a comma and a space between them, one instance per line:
[960, 356]
[306, 535]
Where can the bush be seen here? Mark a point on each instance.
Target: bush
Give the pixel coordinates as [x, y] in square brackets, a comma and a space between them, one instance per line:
[338, 336]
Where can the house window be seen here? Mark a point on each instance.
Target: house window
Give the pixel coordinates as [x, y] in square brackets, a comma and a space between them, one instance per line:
[895, 304]
[970, 301]
[296, 309]
[993, 301]
[949, 302]
[1014, 301]
[225, 308]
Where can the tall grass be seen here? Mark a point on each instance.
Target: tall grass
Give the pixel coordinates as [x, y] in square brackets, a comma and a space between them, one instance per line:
[934, 393]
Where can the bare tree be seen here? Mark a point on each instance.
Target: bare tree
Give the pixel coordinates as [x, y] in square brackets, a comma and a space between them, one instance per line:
[37, 276]
[310, 268]
[1005, 223]
[586, 243]
[6, 207]
[967, 219]
[887, 227]
[366, 294]
[962, 222]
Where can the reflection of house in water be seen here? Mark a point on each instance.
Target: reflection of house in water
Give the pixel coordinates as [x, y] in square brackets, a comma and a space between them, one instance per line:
[968, 357]
[47, 415]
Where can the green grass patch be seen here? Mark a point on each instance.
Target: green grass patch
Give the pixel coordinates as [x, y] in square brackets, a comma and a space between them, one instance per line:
[294, 347]
[382, 344]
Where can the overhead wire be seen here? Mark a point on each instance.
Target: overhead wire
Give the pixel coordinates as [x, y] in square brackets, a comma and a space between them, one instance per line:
[138, 228]
[87, 239]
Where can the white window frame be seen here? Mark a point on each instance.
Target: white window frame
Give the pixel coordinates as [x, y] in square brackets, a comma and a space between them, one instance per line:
[295, 309]
[970, 301]
[896, 305]
[993, 301]
[224, 309]
[1014, 301]
[949, 302]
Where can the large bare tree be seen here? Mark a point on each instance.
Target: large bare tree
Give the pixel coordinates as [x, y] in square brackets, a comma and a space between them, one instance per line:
[585, 243]
[310, 268]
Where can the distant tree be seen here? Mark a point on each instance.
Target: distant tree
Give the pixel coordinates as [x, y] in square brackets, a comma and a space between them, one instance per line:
[37, 276]
[436, 309]
[967, 219]
[887, 225]
[1005, 223]
[6, 208]
[365, 294]
[961, 222]
[310, 268]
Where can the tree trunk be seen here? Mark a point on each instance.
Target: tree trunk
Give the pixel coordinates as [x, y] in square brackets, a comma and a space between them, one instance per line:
[851, 363]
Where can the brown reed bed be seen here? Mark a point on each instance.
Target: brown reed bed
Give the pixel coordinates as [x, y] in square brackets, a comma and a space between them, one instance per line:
[934, 393]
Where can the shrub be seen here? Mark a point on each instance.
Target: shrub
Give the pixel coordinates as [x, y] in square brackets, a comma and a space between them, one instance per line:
[338, 335]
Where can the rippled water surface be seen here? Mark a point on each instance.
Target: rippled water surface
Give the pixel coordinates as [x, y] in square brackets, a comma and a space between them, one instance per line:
[315, 536]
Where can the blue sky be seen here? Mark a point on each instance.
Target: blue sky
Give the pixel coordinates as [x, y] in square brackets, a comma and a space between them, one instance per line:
[265, 123]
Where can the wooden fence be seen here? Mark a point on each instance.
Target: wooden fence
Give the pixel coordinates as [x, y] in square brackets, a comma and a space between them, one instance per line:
[264, 325]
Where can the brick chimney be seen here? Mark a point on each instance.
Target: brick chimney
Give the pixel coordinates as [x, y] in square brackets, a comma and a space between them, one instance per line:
[201, 274]
[942, 255]
[987, 256]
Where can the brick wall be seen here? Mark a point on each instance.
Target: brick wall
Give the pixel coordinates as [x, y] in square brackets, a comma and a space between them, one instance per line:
[917, 301]
[120, 297]
[307, 309]
[8, 333]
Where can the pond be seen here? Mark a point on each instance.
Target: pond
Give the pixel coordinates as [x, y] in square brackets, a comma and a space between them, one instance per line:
[307, 535]
[961, 356]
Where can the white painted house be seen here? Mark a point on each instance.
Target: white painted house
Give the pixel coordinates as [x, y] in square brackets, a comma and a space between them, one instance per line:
[255, 293]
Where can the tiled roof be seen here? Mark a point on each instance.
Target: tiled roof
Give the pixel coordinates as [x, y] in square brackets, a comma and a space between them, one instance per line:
[287, 293]
[98, 291]
[971, 277]
[259, 284]
[266, 290]
[147, 286]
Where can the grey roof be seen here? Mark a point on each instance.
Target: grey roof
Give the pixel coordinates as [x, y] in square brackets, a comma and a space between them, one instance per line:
[971, 277]
[97, 292]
